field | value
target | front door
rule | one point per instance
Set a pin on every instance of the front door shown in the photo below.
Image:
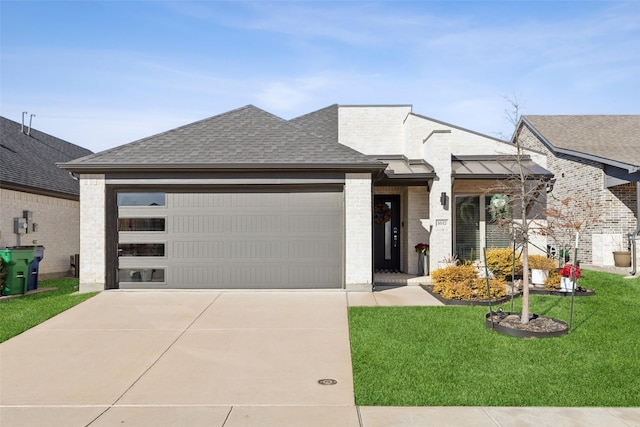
(386, 233)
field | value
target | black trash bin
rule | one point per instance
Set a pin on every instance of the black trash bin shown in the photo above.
(38, 254)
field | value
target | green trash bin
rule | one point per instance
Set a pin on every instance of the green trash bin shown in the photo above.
(16, 263)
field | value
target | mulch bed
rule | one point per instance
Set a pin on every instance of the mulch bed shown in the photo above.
(473, 302)
(538, 327)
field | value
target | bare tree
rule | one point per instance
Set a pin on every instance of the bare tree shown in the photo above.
(572, 216)
(526, 193)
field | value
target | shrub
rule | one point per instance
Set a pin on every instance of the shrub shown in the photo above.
(462, 282)
(500, 262)
(497, 288)
(542, 262)
(455, 273)
(553, 281)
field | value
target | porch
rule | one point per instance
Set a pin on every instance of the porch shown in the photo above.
(400, 279)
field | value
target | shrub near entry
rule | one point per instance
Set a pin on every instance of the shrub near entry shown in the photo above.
(461, 282)
(500, 262)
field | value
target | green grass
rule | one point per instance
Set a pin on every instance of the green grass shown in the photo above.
(433, 356)
(24, 312)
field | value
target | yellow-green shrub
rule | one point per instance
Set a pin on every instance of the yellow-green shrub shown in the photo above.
(553, 281)
(542, 262)
(455, 273)
(497, 287)
(453, 290)
(462, 282)
(500, 262)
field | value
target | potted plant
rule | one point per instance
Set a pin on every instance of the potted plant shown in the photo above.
(540, 266)
(622, 257)
(423, 261)
(568, 274)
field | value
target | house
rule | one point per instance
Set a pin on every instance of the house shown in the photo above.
(30, 182)
(246, 199)
(595, 157)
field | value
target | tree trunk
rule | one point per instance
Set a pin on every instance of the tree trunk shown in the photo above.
(525, 240)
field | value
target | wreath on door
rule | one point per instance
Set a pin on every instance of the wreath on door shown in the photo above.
(381, 213)
(499, 206)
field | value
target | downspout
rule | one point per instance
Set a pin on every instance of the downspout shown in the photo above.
(632, 236)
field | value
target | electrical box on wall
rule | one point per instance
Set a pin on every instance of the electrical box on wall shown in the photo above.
(20, 226)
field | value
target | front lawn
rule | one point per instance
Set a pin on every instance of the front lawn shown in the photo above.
(445, 356)
(24, 312)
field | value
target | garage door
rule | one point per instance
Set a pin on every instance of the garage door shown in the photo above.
(231, 240)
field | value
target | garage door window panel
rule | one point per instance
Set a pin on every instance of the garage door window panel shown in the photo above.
(141, 274)
(142, 224)
(141, 249)
(150, 199)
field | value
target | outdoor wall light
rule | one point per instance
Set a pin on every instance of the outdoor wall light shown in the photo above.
(443, 198)
(550, 185)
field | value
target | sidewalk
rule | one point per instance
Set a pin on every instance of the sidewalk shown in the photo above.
(228, 359)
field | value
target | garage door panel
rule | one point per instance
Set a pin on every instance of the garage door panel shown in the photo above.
(275, 240)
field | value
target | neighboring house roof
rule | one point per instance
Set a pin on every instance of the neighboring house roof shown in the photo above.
(610, 139)
(245, 138)
(28, 162)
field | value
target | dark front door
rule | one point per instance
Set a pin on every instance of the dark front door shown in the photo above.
(386, 233)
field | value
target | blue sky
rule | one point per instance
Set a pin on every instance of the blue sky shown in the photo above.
(104, 73)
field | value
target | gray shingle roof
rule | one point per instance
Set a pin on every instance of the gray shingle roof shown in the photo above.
(29, 161)
(243, 138)
(612, 137)
(323, 123)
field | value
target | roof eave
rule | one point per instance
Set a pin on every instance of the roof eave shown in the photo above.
(200, 167)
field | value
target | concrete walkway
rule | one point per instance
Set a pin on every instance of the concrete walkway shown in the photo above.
(207, 358)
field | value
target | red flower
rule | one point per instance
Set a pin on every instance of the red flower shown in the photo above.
(570, 271)
(422, 248)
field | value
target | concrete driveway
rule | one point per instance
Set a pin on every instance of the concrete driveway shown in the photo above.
(183, 358)
(222, 359)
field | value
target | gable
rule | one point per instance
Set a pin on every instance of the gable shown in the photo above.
(240, 139)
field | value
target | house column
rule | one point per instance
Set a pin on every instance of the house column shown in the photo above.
(358, 221)
(437, 151)
(92, 232)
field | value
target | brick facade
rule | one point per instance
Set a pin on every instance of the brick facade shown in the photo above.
(358, 238)
(92, 230)
(58, 230)
(584, 178)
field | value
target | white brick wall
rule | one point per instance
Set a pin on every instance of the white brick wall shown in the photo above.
(417, 224)
(58, 228)
(358, 237)
(92, 233)
(373, 130)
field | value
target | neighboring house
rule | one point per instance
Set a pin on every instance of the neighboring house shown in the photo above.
(595, 157)
(246, 199)
(30, 181)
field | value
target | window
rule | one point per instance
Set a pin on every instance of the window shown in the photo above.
(140, 249)
(141, 275)
(141, 224)
(141, 199)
